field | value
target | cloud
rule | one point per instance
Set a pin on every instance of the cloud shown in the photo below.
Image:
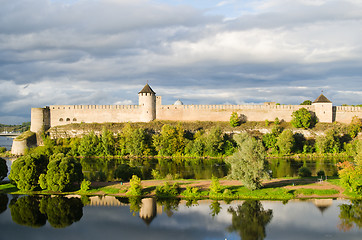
(92, 52)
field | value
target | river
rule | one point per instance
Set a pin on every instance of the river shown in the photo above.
(24, 217)
(6, 142)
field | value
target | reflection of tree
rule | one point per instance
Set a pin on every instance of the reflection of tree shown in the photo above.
(215, 208)
(3, 202)
(169, 205)
(350, 214)
(62, 211)
(249, 220)
(134, 204)
(25, 211)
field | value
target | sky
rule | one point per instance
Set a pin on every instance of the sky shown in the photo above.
(199, 51)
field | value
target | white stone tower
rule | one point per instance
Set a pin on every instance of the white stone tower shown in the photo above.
(323, 109)
(147, 102)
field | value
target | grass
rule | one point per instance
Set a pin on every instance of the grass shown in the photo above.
(24, 135)
(319, 192)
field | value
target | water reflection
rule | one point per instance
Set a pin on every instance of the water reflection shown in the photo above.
(249, 220)
(33, 211)
(151, 218)
(3, 202)
(350, 215)
(121, 169)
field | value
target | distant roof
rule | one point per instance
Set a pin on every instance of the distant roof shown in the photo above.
(147, 89)
(322, 99)
(178, 102)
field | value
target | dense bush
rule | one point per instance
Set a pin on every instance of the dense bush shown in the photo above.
(167, 190)
(3, 169)
(26, 170)
(2, 149)
(135, 187)
(304, 172)
(234, 120)
(302, 118)
(62, 173)
(321, 173)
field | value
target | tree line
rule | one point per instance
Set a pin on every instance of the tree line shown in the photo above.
(176, 141)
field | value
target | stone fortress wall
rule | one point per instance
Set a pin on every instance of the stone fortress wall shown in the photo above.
(150, 108)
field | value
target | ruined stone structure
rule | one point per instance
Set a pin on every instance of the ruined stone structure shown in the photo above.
(150, 108)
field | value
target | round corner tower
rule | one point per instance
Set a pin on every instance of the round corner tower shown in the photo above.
(40, 119)
(147, 102)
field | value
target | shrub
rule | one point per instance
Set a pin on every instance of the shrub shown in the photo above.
(321, 173)
(85, 185)
(135, 187)
(304, 172)
(234, 120)
(3, 169)
(215, 187)
(192, 192)
(26, 170)
(351, 176)
(167, 190)
(2, 149)
(302, 118)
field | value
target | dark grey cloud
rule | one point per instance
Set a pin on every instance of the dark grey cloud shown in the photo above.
(104, 51)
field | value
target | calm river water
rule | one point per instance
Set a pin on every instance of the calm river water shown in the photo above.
(24, 217)
(6, 142)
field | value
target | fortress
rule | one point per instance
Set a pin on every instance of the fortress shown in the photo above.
(150, 108)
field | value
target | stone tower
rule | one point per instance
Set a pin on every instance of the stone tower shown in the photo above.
(40, 119)
(323, 109)
(147, 102)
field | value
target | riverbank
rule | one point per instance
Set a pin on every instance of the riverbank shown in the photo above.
(275, 189)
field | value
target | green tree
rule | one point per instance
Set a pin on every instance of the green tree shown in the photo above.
(170, 141)
(215, 187)
(62, 173)
(306, 102)
(134, 141)
(270, 139)
(196, 147)
(329, 143)
(135, 189)
(285, 142)
(89, 145)
(248, 163)
(234, 120)
(107, 143)
(249, 220)
(302, 118)
(214, 141)
(3, 169)
(354, 127)
(26, 170)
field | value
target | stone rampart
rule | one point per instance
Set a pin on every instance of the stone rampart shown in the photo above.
(344, 114)
(223, 112)
(66, 114)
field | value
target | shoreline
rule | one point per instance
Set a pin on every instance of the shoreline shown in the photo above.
(275, 189)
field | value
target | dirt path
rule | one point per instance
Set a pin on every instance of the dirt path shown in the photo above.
(292, 184)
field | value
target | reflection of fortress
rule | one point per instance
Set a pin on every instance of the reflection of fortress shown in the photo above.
(150, 108)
